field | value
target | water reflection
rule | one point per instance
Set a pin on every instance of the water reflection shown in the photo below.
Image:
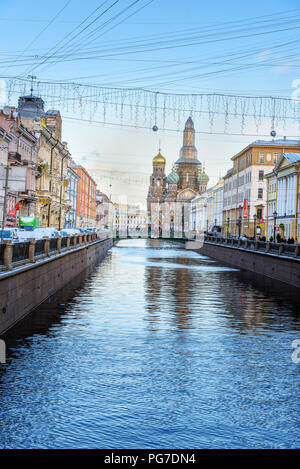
(159, 347)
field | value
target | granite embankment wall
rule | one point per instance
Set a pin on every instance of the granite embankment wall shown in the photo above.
(278, 267)
(25, 287)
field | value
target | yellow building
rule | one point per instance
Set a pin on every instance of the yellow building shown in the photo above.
(52, 161)
(246, 180)
(283, 197)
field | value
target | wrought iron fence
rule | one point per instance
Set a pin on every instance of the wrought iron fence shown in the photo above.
(20, 251)
(292, 250)
(2, 247)
(39, 247)
(53, 244)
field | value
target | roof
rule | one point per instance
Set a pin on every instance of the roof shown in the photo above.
(280, 142)
(73, 172)
(292, 157)
(158, 159)
(228, 173)
(52, 111)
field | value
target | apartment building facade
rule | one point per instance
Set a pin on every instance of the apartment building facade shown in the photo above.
(283, 197)
(86, 198)
(72, 191)
(245, 181)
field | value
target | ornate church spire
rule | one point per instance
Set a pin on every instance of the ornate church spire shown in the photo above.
(188, 152)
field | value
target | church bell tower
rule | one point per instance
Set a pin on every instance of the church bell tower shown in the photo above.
(188, 167)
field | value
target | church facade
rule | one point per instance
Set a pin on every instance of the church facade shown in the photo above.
(169, 197)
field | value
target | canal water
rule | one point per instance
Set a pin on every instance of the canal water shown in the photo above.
(158, 348)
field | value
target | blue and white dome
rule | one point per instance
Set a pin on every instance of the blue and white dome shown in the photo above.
(173, 177)
(203, 178)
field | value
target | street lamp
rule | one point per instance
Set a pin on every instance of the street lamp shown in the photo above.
(240, 220)
(207, 227)
(275, 216)
(228, 220)
(254, 218)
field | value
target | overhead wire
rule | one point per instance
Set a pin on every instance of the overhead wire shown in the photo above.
(75, 29)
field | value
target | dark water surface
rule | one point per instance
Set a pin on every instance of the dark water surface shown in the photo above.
(158, 348)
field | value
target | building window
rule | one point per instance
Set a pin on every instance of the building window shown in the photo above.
(260, 193)
(261, 175)
(261, 156)
(259, 213)
(275, 157)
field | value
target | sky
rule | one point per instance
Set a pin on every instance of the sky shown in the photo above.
(166, 46)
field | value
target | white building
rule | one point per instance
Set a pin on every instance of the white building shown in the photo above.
(104, 212)
(130, 220)
(284, 197)
(207, 210)
(198, 216)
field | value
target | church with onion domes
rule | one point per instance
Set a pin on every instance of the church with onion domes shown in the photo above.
(169, 197)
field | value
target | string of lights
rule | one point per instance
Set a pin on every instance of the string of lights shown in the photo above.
(138, 107)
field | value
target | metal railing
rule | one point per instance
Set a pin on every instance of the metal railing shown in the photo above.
(20, 251)
(53, 244)
(282, 249)
(16, 254)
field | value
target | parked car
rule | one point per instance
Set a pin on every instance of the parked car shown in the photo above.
(233, 236)
(69, 231)
(50, 232)
(37, 233)
(23, 235)
(9, 234)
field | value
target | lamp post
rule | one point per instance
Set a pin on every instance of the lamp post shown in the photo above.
(254, 218)
(207, 227)
(240, 220)
(228, 220)
(275, 216)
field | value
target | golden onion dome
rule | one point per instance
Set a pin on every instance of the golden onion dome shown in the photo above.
(158, 159)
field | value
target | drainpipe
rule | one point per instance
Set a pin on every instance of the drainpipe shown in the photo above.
(7, 168)
(50, 182)
(61, 187)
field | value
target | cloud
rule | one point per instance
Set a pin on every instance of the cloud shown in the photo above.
(263, 54)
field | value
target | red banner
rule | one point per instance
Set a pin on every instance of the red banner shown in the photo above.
(245, 209)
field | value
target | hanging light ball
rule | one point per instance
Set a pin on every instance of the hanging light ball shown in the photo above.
(273, 133)
(155, 128)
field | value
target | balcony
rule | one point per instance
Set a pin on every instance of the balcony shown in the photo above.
(14, 156)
